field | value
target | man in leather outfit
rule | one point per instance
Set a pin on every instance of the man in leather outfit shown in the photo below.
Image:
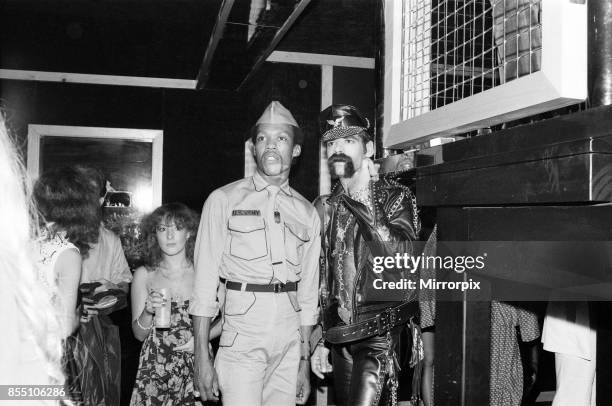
(361, 219)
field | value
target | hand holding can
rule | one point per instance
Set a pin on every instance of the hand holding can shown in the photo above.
(162, 315)
(154, 301)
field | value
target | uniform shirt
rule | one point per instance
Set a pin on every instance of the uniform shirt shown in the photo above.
(106, 260)
(244, 230)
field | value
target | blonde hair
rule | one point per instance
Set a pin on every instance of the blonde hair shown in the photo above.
(29, 317)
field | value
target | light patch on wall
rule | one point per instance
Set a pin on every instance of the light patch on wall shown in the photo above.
(142, 198)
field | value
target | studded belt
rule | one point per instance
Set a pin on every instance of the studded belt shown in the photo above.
(377, 325)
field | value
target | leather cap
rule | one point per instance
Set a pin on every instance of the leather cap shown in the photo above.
(342, 120)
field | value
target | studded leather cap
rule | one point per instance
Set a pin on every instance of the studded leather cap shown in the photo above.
(342, 120)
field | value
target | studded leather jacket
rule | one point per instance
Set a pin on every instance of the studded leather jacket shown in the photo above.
(356, 230)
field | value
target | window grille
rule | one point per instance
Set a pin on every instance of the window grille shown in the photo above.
(452, 50)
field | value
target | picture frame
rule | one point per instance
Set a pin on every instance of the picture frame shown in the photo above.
(132, 159)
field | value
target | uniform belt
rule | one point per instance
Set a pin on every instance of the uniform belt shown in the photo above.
(253, 287)
(377, 325)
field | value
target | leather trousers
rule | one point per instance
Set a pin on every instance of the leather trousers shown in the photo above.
(363, 370)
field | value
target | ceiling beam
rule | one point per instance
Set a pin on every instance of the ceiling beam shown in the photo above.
(261, 58)
(321, 59)
(216, 36)
(114, 80)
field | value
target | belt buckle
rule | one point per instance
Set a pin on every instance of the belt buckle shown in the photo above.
(278, 287)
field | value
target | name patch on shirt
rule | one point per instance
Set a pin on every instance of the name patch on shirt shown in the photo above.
(246, 213)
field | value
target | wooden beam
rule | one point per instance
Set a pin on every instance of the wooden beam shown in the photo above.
(327, 99)
(216, 36)
(277, 38)
(321, 59)
(114, 80)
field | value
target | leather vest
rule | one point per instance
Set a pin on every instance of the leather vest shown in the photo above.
(353, 234)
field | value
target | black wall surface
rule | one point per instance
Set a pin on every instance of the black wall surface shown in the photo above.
(202, 130)
(161, 39)
(355, 86)
(336, 27)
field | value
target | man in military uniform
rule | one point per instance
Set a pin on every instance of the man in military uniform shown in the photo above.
(261, 239)
(362, 218)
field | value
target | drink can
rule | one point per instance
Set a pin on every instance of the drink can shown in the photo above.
(162, 315)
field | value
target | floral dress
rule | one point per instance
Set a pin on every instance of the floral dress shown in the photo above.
(165, 376)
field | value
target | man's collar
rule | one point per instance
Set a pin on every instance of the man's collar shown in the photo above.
(338, 190)
(260, 184)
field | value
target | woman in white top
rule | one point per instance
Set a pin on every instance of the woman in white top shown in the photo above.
(70, 220)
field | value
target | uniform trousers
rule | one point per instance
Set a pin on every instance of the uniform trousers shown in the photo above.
(259, 350)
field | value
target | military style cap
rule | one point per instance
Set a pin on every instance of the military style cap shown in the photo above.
(342, 120)
(276, 113)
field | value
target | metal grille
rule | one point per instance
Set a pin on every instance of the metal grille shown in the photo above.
(452, 49)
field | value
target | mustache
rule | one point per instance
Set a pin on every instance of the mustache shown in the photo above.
(349, 168)
(271, 152)
(267, 154)
(339, 157)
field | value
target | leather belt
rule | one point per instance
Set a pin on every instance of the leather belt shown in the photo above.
(377, 325)
(253, 287)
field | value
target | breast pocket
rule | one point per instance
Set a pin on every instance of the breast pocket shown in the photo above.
(296, 235)
(248, 237)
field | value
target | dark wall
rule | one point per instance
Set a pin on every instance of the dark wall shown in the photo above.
(337, 27)
(205, 148)
(355, 86)
(202, 130)
(161, 39)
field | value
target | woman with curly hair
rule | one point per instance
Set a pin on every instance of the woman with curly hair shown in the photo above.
(165, 371)
(69, 219)
(69, 223)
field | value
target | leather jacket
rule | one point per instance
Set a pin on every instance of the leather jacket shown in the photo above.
(390, 225)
